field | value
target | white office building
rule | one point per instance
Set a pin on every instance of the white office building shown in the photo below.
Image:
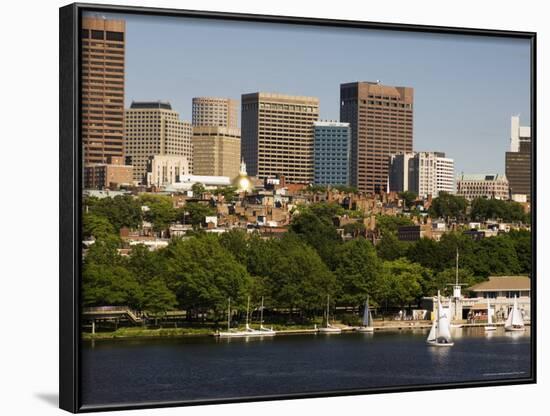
(425, 173)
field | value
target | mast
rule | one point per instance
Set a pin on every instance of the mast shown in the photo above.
(247, 309)
(228, 313)
(262, 313)
(437, 315)
(328, 302)
(456, 281)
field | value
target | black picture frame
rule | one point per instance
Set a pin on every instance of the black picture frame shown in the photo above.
(70, 183)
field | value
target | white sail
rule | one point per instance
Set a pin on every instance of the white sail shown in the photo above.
(508, 322)
(443, 323)
(432, 335)
(517, 319)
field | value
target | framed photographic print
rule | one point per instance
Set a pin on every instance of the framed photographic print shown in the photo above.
(262, 207)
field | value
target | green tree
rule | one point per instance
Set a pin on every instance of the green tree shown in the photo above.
(449, 206)
(145, 264)
(483, 209)
(391, 248)
(297, 277)
(195, 213)
(354, 228)
(524, 247)
(400, 283)
(121, 211)
(318, 233)
(96, 226)
(158, 298)
(204, 275)
(357, 271)
(198, 189)
(112, 285)
(236, 242)
(229, 193)
(425, 252)
(389, 223)
(161, 212)
(409, 198)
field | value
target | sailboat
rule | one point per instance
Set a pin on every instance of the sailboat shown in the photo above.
(515, 320)
(489, 326)
(440, 333)
(248, 332)
(329, 329)
(265, 331)
(367, 319)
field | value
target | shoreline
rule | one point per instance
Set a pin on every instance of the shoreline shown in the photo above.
(136, 334)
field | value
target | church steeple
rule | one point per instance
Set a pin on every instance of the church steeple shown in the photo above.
(242, 170)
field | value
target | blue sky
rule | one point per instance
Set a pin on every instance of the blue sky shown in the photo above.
(466, 87)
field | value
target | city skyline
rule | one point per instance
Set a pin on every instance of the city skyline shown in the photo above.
(494, 75)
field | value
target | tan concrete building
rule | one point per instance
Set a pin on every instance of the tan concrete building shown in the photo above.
(214, 111)
(102, 87)
(107, 175)
(164, 170)
(491, 186)
(216, 151)
(381, 120)
(278, 135)
(153, 128)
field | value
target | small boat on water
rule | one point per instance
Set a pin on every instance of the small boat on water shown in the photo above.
(489, 326)
(440, 333)
(514, 322)
(329, 329)
(248, 332)
(367, 319)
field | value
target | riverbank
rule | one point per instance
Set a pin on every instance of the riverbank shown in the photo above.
(137, 333)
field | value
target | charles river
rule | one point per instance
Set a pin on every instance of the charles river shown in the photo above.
(202, 368)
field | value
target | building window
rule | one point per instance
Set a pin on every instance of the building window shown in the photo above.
(118, 36)
(97, 34)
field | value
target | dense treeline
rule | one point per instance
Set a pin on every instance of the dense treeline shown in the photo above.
(295, 272)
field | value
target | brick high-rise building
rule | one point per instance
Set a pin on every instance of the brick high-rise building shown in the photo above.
(277, 135)
(214, 111)
(518, 160)
(102, 87)
(381, 120)
(153, 128)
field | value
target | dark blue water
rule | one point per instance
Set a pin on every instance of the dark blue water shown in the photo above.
(118, 372)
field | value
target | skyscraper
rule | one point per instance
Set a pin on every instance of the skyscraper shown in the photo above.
(331, 153)
(102, 89)
(216, 151)
(518, 160)
(214, 111)
(153, 128)
(277, 135)
(424, 173)
(381, 120)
